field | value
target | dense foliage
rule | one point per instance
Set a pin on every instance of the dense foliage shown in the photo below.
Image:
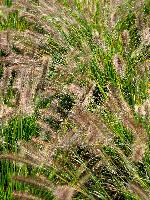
(75, 99)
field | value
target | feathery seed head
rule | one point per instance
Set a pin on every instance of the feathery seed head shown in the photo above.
(146, 36)
(125, 37)
(64, 192)
(119, 65)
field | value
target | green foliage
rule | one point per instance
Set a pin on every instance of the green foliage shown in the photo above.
(18, 128)
(134, 37)
(11, 92)
(8, 3)
(128, 22)
(108, 173)
(146, 8)
(55, 46)
(66, 102)
(3, 53)
(52, 72)
(16, 50)
(98, 95)
(44, 102)
(53, 123)
(37, 27)
(13, 21)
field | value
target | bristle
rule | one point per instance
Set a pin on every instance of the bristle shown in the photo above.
(24, 196)
(125, 37)
(64, 192)
(146, 36)
(74, 99)
(119, 65)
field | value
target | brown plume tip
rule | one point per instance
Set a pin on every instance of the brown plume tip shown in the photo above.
(125, 37)
(119, 65)
(138, 152)
(113, 19)
(144, 109)
(64, 192)
(146, 36)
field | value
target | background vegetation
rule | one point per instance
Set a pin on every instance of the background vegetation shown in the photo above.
(74, 99)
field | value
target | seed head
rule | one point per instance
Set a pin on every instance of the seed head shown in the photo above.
(119, 66)
(64, 192)
(125, 37)
(146, 36)
(113, 19)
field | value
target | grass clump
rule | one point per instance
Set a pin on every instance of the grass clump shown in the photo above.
(74, 100)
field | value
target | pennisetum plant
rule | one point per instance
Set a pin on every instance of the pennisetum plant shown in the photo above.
(74, 100)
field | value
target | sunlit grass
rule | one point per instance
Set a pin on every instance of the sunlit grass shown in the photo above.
(89, 44)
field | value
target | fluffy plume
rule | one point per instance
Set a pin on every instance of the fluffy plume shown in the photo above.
(64, 192)
(125, 37)
(146, 36)
(119, 65)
